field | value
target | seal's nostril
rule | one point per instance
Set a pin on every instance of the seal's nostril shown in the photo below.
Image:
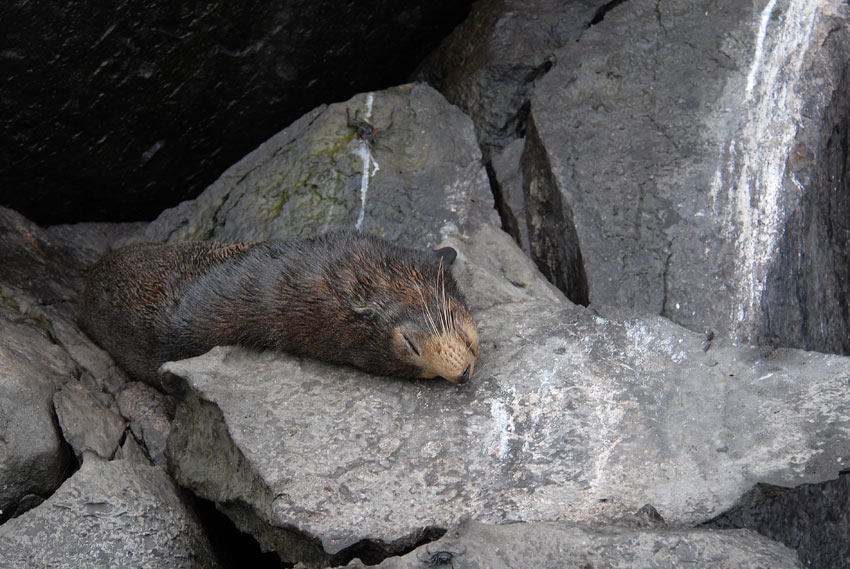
(464, 376)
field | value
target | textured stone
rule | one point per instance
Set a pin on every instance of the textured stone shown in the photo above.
(42, 349)
(489, 64)
(113, 112)
(108, 514)
(570, 416)
(506, 181)
(33, 456)
(150, 413)
(571, 546)
(86, 421)
(424, 177)
(689, 160)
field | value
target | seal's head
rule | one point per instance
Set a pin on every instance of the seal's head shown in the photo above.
(431, 332)
(441, 341)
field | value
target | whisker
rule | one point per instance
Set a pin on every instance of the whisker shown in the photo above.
(427, 308)
(439, 297)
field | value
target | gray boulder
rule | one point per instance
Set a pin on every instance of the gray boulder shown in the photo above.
(684, 159)
(488, 67)
(33, 457)
(109, 514)
(570, 416)
(573, 546)
(415, 179)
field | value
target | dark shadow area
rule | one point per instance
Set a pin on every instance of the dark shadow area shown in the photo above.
(555, 246)
(813, 519)
(114, 112)
(372, 553)
(599, 15)
(232, 548)
(806, 302)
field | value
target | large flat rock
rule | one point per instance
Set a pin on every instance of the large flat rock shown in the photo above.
(570, 416)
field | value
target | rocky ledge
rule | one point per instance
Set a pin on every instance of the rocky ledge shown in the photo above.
(572, 417)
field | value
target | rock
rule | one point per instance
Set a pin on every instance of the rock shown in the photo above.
(419, 177)
(115, 114)
(109, 514)
(569, 417)
(681, 159)
(36, 264)
(101, 373)
(86, 421)
(503, 276)
(572, 546)
(48, 269)
(42, 349)
(814, 519)
(133, 451)
(33, 456)
(489, 63)
(506, 182)
(150, 414)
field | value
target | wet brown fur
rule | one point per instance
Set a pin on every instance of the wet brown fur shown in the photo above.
(346, 298)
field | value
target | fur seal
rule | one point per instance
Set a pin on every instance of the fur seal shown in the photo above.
(346, 298)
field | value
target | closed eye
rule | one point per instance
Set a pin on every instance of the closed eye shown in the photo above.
(412, 346)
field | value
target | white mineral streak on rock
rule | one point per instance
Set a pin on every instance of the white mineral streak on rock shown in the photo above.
(757, 161)
(369, 165)
(503, 418)
(759, 53)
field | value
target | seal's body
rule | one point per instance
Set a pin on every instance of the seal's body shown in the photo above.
(345, 298)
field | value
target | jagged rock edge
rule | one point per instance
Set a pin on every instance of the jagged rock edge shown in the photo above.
(374, 552)
(270, 535)
(244, 515)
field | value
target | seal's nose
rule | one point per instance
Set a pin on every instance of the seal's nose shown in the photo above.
(464, 377)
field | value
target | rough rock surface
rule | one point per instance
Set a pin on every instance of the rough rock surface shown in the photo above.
(572, 546)
(113, 112)
(33, 457)
(108, 514)
(150, 413)
(489, 63)
(814, 519)
(570, 416)
(86, 421)
(50, 270)
(42, 349)
(506, 182)
(417, 178)
(693, 156)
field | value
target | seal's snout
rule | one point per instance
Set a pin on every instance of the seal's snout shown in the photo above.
(464, 377)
